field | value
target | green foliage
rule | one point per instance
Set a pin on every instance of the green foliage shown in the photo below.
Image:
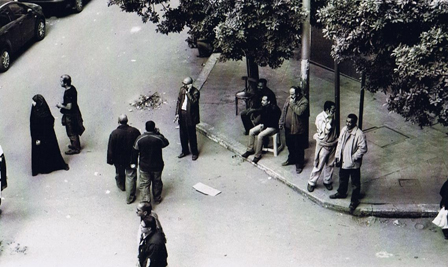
(401, 46)
(266, 30)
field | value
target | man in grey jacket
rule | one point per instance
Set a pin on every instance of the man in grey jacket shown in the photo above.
(352, 146)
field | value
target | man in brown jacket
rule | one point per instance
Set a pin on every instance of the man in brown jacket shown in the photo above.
(293, 120)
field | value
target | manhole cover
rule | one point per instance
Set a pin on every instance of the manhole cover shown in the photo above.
(384, 136)
(408, 182)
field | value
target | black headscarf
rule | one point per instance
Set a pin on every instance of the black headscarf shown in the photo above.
(41, 109)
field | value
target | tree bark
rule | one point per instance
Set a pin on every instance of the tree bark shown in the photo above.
(252, 73)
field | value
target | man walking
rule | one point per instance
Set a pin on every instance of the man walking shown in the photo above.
(326, 141)
(71, 118)
(119, 154)
(149, 146)
(269, 117)
(293, 120)
(352, 146)
(151, 249)
(144, 209)
(187, 114)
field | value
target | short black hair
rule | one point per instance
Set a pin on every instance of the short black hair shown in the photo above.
(66, 79)
(150, 126)
(146, 206)
(150, 222)
(353, 117)
(328, 105)
(263, 81)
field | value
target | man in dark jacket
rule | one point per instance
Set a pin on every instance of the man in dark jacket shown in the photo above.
(152, 249)
(187, 113)
(119, 154)
(71, 118)
(269, 117)
(149, 146)
(294, 114)
(251, 116)
(3, 181)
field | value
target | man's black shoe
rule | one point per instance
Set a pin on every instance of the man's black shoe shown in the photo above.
(256, 159)
(329, 186)
(247, 154)
(182, 155)
(310, 188)
(337, 195)
(72, 152)
(353, 206)
(299, 170)
(131, 200)
(194, 157)
(286, 163)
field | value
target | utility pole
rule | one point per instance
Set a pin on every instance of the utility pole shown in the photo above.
(337, 96)
(361, 100)
(305, 63)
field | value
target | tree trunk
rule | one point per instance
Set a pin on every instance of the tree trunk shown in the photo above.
(252, 73)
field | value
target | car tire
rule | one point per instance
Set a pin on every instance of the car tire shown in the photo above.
(78, 5)
(40, 29)
(5, 59)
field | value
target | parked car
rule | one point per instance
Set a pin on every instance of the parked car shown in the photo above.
(19, 23)
(76, 5)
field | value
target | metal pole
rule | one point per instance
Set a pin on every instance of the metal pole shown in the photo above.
(305, 63)
(337, 96)
(361, 100)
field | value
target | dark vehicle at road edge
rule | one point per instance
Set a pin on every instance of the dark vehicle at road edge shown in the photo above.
(19, 23)
(76, 5)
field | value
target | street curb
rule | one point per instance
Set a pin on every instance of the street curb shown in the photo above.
(208, 67)
(382, 210)
(385, 210)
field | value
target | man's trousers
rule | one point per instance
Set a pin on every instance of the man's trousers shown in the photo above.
(145, 184)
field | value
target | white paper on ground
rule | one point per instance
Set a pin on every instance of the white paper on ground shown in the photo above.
(205, 189)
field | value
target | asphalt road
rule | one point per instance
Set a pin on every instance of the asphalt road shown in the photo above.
(80, 218)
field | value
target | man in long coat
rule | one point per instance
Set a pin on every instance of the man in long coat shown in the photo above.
(187, 113)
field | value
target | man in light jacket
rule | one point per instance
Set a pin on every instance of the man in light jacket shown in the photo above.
(326, 141)
(352, 146)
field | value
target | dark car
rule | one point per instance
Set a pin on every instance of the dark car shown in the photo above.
(76, 5)
(19, 23)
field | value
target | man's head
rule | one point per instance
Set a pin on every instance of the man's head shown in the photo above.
(265, 101)
(295, 92)
(66, 80)
(351, 121)
(150, 126)
(261, 84)
(187, 82)
(329, 107)
(144, 209)
(123, 119)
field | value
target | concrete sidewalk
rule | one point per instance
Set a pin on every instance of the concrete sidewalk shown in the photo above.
(401, 173)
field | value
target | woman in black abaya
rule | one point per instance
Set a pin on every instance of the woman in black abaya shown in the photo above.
(45, 154)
